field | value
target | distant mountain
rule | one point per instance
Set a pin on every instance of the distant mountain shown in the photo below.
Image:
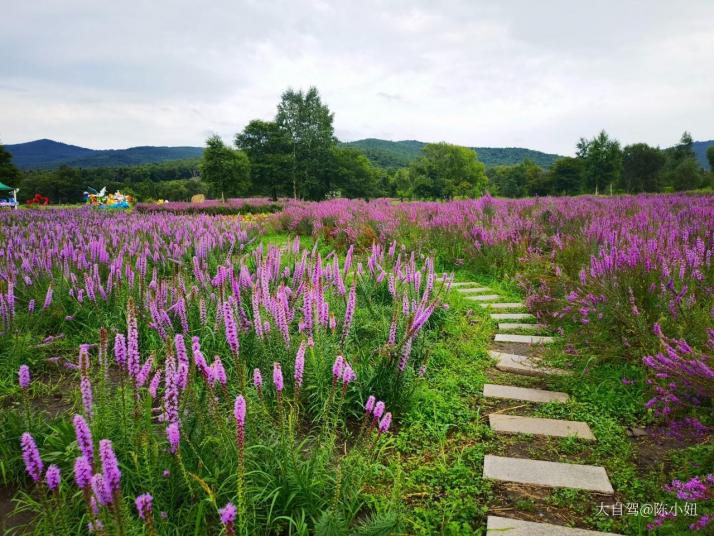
(400, 153)
(43, 154)
(700, 149)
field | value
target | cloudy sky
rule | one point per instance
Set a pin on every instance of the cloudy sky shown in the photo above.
(110, 74)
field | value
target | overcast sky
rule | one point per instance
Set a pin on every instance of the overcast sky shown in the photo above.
(504, 73)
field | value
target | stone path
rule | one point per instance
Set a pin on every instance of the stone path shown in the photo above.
(521, 470)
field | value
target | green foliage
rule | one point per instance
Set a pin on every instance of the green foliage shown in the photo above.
(566, 176)
(352, 174)
(710, 157)
(8, 172)
(307, 123)
(225, 169)
(446, 171)
(641, 167)
(519, 180)
(602, 162)
(269, 151)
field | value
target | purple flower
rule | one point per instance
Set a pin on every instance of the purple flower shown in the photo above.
(230, 328)
(154, 384)
(218, 372)
(337, 367)
(144, 372)
(239, 409)
(144, 504)
(299, 364)
(348, 375)
(385, 422)
(228, 515)
(23, 375)
(84, 438)
(52, 477)
(369, 405)
(101, 490)
(85, 387)
(173, 435)
(31, 457)
(110, 467)
(257, 379)
(378, 410)
(82, 472)
(120, 350)
(278, 378)
(349, 311)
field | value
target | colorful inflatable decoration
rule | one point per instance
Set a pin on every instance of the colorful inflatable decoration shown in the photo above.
(39, 200)
(103, 200)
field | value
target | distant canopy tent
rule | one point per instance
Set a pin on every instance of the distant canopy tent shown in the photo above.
(8, 196)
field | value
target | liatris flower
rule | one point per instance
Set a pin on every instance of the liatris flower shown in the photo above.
(144, 372)
(228, 518)
(85, 387)
(258, 381)
(385, 422)
(84, 438)
(82, 472)
(31, 306)
(337, 367)
(120, 350)
(230, 328)
(278, 379)
(378, 410)
(154, 384)
(53, 477)
(348, 376)
(102, 493)
(31, 457)
(392, 333)
(83, 360)
(218, 372)
(110, 467)
(144, 505)
(23, 375)
(48, 298)
(182, 356)
(299, 365)
(173, 435)
(349, 312)
(369, 405)
(239, 410)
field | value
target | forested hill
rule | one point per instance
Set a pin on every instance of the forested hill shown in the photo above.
(393, 154)
(700, 151)
(45, 154)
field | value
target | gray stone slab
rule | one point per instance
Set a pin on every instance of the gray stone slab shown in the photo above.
(509, 392)
(548, 474)
(526, 339)
(514, 424)
(505, 326)
(482, 297)
(520, 364)
(465, 284)
(502, 526)
(503, 305)
(472, 290)
(512, 316)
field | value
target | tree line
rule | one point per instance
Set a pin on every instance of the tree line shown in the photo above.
(298, 155)
(601, 165)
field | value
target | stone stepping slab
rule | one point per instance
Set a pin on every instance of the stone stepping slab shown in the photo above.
(526, 339)
(524, 394)
(513, 424)
(472, 290)
(512, 316)
(520, 364)
(505, 326)
(465, 284)
(548, 474)
(506, 305)
(503, 526)
(482, 297)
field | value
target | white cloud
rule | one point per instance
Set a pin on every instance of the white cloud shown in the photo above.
(117, 74)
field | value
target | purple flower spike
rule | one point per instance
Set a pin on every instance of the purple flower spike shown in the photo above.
(385, 422)
(228, 515)
(82, 473)
(173, 435)
(144, 505)
(278, 378)
(31, 457)
(369, 405)
(378, 410)
(239, 410)
(84, 438)
(337, 367)
(53, 477)
(257, 379)
(110, 467)
(23, 375)
(300, 364)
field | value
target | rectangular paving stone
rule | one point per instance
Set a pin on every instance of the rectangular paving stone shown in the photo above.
(514, 424)
(472, 290)
(526, 339)
(520, 364)
(509, 392)
(548, 474)
(505, 326)
(465, 284)
(482, 297)
(512, 316)
(503, 526)
(503, 305)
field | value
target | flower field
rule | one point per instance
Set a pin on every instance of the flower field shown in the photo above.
(176, 371)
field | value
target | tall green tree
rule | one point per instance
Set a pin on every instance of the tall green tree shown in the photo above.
(602, 161)
(682, 170)
(710, 157)
(307, 123)
(446, 171)
(269, 150)
(9, 174)
(641, 168)
(566, 176)
(352, 174)
(225, 169)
